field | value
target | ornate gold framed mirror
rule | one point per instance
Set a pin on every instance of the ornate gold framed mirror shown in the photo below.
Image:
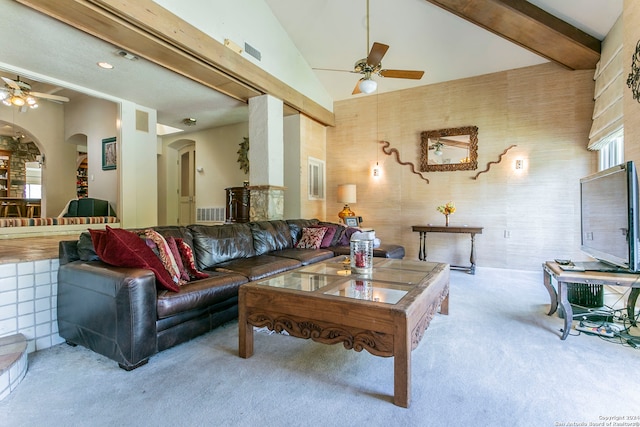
(454, 149)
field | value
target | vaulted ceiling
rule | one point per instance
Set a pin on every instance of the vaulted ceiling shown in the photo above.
(449, 39)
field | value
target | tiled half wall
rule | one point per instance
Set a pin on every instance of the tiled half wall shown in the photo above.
(28, 302)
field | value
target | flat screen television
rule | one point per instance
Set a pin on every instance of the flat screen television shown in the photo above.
(609, 219)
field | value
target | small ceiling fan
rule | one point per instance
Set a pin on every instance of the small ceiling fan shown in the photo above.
(18, 92)
(372, 65)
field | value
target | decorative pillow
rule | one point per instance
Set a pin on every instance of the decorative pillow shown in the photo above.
(165, 255)
(346, 236)
(184, 275)
(311, 237)
(340, 229)
(188, 260)
(123, 248)
(328, 235)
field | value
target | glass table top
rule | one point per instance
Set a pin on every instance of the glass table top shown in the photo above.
(389, 281)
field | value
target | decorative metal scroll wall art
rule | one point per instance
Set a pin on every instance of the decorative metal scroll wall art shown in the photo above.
(389, 151)
(494, 163)
(633, 81)
(454, 149)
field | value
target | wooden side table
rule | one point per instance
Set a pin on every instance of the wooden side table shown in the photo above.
(472, 231)
(565, 278)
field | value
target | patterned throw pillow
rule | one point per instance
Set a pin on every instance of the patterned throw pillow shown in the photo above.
(184, 274)
(165, 255)
(188, 260)
(311, 237)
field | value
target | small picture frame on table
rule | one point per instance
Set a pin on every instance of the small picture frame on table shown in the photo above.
(351, 221)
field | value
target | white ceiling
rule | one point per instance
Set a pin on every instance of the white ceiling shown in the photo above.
(328, 34)
(332, 34)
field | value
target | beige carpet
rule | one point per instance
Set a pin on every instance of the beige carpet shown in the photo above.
(496, 360)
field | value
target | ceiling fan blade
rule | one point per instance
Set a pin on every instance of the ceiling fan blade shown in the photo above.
(51, 97)
(333, 69)
(11, 83)
(402, 74)
(377, 52)
(356, 90)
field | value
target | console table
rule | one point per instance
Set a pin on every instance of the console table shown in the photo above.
(565, 278)
(472, 231)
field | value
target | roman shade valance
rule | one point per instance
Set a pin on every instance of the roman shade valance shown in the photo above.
(608, 112)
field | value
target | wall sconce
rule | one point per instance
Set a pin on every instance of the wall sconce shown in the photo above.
(346, 195)
(376, 170)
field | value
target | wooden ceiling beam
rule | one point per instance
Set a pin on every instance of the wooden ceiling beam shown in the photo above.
(530, 27)
(148, 30)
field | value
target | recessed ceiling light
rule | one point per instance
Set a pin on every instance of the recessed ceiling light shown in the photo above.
(105, 65)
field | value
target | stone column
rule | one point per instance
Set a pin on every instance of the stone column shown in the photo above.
(266, 158)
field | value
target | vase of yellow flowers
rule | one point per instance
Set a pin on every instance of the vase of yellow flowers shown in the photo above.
(447, 209)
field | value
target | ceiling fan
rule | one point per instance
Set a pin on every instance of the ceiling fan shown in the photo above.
(18, 92)
(372, 65)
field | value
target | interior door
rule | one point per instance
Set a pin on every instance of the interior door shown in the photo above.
(187, 190)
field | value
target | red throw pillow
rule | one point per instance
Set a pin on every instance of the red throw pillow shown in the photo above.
(188, 260)
(123, 248)
(311, 237)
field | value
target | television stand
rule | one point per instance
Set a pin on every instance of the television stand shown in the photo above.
(565, 278)
(600, 266)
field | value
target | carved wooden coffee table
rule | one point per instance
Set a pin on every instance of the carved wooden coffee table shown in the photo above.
(385, 313)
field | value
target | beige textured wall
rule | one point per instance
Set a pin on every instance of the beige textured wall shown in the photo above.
(631, 106)
(545, 110)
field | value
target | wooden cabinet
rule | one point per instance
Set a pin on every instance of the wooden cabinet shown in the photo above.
(5, 173)
(82, 183)
(237, 209)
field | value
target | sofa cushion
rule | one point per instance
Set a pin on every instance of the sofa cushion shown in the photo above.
(123, 248)
(86, 251)
(199, 294)
(311, 238)
(270, 236)
(305, 256)
(214, 244)
(258, 267)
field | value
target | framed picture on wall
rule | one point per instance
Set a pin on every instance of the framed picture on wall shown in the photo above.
(109, 153)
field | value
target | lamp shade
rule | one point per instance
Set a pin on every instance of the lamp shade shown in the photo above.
(367, 86)
(347, 193)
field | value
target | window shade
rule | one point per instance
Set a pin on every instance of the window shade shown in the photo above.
(33, 173)
(607, 112)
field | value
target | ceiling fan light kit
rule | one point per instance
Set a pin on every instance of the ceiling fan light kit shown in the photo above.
(372, 65)
(367, 85)
(18, 93)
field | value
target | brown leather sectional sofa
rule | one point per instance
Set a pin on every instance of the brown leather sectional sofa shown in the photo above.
(121, 313)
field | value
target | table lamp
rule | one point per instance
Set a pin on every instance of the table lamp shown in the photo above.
(346, 195)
